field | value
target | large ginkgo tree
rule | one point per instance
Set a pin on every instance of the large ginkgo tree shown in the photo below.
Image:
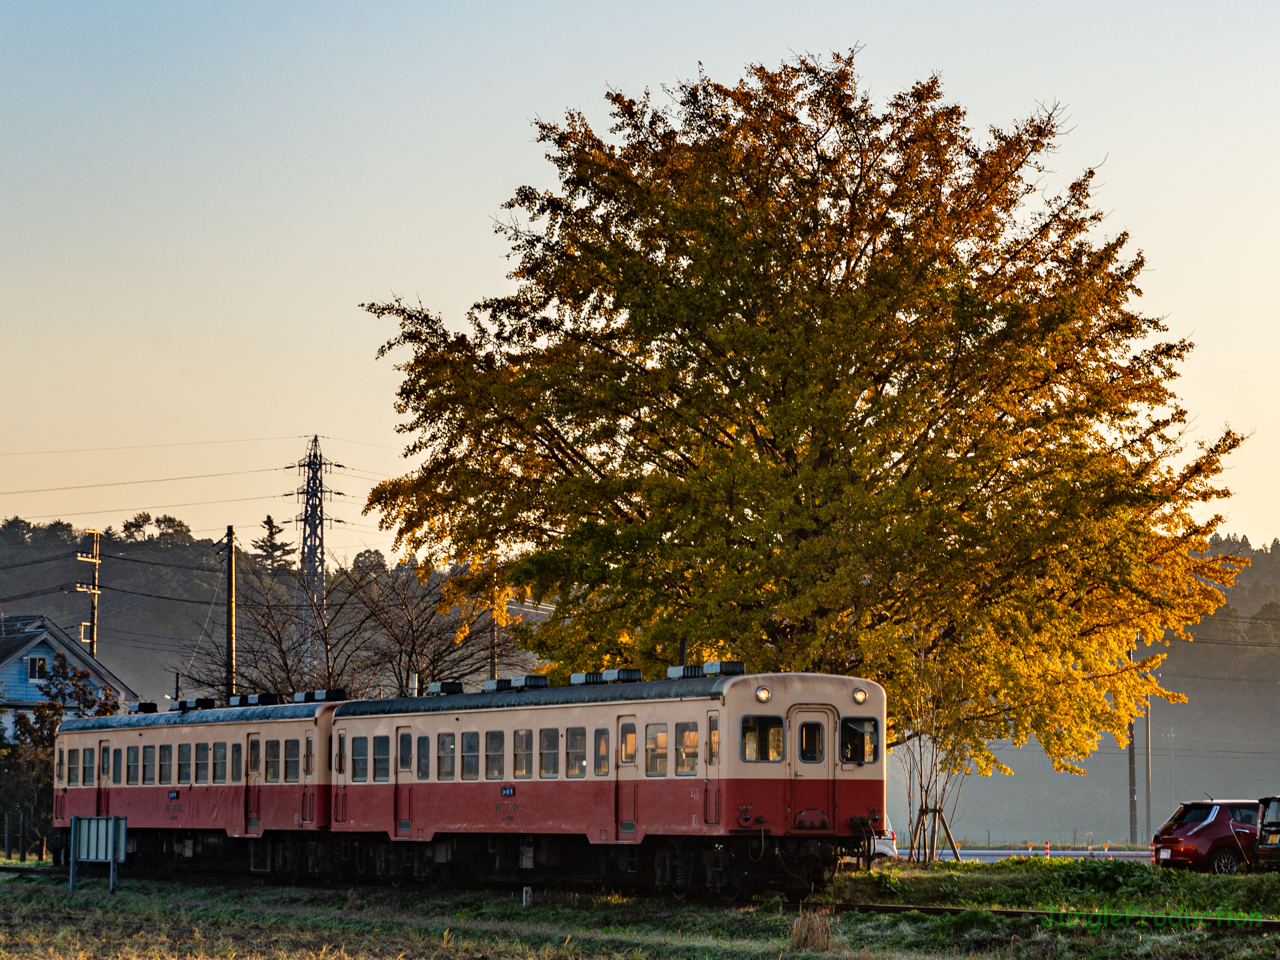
(823, 384)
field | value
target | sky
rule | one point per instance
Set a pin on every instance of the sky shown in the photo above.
(196, 198)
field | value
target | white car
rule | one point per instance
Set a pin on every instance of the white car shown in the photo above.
(886, 846)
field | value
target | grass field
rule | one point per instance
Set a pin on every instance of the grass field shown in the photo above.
(197, 917)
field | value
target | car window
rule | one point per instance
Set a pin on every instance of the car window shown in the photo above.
(1245, 814)
(1192, 813)
(1273, 812)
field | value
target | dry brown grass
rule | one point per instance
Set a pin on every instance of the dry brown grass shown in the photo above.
(813, 931)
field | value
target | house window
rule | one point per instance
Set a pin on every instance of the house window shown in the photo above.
(37, 669)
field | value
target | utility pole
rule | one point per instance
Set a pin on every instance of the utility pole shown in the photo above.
(231, 612)
(1148, 726)
(92, 589)
(493, 648)
(1133, 789)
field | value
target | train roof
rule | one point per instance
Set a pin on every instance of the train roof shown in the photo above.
(694, 688)
(177, 718)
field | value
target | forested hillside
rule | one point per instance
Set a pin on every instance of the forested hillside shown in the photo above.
(160, 589)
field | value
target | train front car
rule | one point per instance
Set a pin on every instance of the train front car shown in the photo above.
(236, 789)
(721, 784)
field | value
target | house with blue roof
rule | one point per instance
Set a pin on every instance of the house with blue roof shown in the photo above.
(27, 648)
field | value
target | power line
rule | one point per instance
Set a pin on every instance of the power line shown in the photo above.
(61, 588)
(129, 483)
(148, 446)
(156, 506)
(31, 563)
(152, 596)
(157, 563)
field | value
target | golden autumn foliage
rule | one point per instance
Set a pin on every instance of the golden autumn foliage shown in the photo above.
(820, 385)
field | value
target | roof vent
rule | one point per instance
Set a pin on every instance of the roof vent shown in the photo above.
(579, 679)
(530, 681)
(683, 673)
(238, 700)
(494, 686)
(328, 696)
(263, 700)
(724, 668)
(304, 696)
(445, 686)
(625, 675)
(196, 703)
(142, 708)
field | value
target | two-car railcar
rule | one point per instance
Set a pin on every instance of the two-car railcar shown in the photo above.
(712, 783)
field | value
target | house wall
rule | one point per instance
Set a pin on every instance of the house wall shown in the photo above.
(16, 688)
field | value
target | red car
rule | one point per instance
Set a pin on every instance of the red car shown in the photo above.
(1212, 835)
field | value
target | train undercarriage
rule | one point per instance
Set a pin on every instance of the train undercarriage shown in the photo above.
(731, 868)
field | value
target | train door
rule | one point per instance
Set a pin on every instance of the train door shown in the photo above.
(711, 786)
(308, 778)
(404, 773)
(104, 777)
(339, 806)
(810, 762)
(253, 784)
(627, 779)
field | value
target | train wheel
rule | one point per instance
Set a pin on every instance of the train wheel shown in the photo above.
(736, 888)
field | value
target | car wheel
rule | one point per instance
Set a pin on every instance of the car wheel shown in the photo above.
(1225, 861)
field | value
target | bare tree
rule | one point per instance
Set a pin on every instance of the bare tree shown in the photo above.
(417, 643)
(375, 631)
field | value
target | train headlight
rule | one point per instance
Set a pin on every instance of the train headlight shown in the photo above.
(763, 694)
(859, 695)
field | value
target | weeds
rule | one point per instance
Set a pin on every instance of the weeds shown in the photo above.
(813, 931)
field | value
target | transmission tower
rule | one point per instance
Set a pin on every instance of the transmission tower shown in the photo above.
(311, 600)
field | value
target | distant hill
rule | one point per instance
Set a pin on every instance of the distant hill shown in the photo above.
(160, 595)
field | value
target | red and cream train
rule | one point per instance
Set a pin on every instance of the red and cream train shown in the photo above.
(718, 781)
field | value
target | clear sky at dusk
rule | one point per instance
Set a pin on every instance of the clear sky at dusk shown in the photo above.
(194, 199)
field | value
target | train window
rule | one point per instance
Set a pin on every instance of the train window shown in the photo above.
(117, 763)
(382, 759)
(444, 756)
(308, 758)
(762, 739)
(106, 763)
(329, 753)
(61, 758)
(602, 752)
(359, 759)
(255, 755)
(575, 752)
(166, 763)
(73, 768)
(523, 745)
(184, 763)
(424, 758)
(271, 761)
(148, 765)
(342, 753)
(202, 763)
(88, 767)
(627, 744)
(219, 763)
(131, 766)
(406, 751)
(471, 756)
(655, 750)
(495, 749)
(686, 749)
(237, 761)
(812, 748)
(292, 757)
(859, 740)
(713, 739)
(548, 754)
